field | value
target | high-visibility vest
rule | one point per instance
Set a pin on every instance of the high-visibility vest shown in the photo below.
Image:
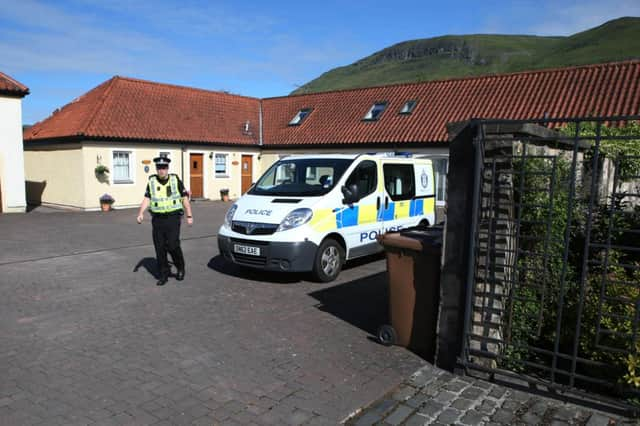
(165, 198)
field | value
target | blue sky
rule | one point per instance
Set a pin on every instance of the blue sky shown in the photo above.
(62, 49)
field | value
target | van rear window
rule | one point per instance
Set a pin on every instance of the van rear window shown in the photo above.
(399, 181)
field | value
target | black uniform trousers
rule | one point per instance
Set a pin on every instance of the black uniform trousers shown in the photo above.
(166, 238)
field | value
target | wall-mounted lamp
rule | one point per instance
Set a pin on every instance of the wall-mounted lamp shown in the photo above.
(210, 155)
(98, 158)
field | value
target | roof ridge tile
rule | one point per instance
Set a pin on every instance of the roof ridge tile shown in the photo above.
(477, 77)
(178, 86)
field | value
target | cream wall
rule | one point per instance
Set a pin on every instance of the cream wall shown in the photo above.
(65, 174)
(54, 176)
(212, 184)
(126, 195)
(130, 194)
(267, 159)
(12, 156)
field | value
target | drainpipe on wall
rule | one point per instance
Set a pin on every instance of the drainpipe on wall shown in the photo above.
(183, 149)
(260, 125)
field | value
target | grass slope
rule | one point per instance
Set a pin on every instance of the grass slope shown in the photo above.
(472, 55)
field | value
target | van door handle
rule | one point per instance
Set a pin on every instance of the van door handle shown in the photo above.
(386, 202)
(378, 203)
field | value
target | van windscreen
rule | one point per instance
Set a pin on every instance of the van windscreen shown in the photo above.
(301, 177)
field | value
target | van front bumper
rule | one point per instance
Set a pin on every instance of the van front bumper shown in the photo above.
(274, 256)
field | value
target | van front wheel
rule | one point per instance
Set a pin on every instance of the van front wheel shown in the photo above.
(328, 261)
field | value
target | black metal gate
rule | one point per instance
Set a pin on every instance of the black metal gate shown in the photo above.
(553, 278)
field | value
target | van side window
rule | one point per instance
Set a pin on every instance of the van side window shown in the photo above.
(399, 181)
(365, 176)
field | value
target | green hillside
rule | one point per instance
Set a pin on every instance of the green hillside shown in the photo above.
(472, 55)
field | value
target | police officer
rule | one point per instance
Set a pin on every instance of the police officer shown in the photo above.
(167, 200)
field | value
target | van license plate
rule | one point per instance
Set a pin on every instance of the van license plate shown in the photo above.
(253, 251)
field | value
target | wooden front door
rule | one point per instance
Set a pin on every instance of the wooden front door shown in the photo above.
(247, 173)
(195, 161)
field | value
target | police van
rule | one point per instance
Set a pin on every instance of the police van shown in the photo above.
(314, 212)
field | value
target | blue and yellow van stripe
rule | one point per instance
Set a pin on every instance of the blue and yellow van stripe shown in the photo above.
(328, 219)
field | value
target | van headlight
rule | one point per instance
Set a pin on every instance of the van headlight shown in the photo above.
(296, 218)
(229, 216)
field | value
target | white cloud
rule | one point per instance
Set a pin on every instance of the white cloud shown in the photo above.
(557, 18)
(580, 16)
(179, 39)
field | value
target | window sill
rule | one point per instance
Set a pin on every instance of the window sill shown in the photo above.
(118, 182)
(222, 176)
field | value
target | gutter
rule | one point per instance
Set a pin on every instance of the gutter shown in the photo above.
(182, 151)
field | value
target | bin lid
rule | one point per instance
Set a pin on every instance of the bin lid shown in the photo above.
(416, 238)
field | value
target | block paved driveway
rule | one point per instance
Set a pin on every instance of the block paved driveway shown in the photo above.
(86, 337)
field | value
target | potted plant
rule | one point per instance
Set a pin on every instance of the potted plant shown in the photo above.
(106, 201)
(224, 194)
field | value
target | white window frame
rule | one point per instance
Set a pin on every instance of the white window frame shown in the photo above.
(226, 174)
(132, 169)
(297, 119)
(369, 115)
(435, 175)
(408, 111)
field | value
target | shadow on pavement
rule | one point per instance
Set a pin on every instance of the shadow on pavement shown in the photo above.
(219, 264)
(150, 264)
(362, 302)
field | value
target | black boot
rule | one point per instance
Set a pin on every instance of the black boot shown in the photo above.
(178, 260)
(163, 280)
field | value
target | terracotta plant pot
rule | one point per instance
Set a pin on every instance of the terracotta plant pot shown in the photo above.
(105, 207)
(225, 198)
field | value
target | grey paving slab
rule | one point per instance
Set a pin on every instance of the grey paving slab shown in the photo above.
(443, 398)
(87, 336)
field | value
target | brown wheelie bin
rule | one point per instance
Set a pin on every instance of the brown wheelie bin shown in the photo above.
(413, 265)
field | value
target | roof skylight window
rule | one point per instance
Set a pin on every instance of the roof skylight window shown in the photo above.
(300, 116)
(376, 111)
(408, 107)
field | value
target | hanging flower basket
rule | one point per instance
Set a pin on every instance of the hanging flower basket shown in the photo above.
(101, 169)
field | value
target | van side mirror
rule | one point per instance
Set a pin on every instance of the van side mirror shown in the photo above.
(350, 194)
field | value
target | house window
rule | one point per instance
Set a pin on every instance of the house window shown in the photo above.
(221, 169)
(408, 107)
(376, 111)
(300, 116)
(122, 167)
(164, 154)
(440, 166)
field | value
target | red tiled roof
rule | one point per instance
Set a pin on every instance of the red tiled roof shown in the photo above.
(604, 89)
(131, 109)
(12, 87)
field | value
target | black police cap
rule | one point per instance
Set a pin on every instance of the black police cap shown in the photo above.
(162, 161)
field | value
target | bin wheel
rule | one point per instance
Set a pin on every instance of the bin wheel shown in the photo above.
(387, 335)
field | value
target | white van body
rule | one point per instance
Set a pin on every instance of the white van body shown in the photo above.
(314, 212)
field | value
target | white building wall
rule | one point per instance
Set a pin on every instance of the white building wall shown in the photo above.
(12, 161)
